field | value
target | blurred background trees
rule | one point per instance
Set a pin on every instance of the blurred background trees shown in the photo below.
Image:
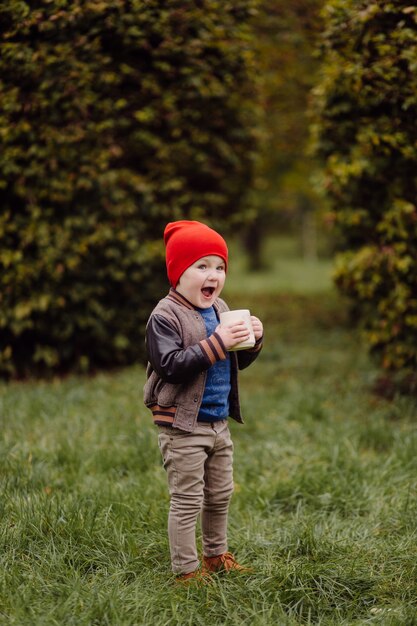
(366, 134)
(118, 117)
(282, 197)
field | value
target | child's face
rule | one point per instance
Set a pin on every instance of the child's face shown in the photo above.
(203, 281)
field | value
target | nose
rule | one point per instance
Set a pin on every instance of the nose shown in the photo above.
(212, 275)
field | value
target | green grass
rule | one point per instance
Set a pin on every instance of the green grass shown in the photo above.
(325, 505)
(287, 272)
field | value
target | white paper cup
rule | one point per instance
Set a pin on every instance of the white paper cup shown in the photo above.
(239, 315)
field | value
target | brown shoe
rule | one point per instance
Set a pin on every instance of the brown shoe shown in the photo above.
(199, 577)
(225, 562)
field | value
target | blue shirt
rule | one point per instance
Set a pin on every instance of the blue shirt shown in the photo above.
(215, 404)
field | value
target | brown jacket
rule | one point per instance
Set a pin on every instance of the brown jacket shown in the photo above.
(180, 353)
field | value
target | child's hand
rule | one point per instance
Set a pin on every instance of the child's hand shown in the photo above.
(232, 334)
(258, 329)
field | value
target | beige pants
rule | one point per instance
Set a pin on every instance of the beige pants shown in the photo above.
(199, 466)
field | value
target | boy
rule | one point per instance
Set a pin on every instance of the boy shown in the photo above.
(191, 390)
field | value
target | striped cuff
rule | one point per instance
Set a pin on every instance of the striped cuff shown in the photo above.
(213, 348)
(163, 414)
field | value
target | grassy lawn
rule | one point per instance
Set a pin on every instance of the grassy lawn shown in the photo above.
(325, 503)
(286, 272)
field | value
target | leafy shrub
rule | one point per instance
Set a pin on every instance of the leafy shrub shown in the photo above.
(116, 118)
(366, 108)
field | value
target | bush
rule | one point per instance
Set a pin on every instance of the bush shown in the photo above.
(366, 107)
(116, 118)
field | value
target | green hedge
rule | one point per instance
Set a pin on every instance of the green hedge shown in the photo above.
(366, 132)
(116, 117)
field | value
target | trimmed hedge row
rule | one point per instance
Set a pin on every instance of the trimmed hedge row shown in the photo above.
(366, 133)
(117, 116)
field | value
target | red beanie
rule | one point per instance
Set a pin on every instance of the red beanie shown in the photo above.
(186, 242)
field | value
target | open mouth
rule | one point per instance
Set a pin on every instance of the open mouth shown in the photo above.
(207, 291)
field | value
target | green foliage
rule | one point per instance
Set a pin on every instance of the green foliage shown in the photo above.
(286, 36)
(285, 271)
(366, 107)
(288, 33)
(116, 118)
(281, 197)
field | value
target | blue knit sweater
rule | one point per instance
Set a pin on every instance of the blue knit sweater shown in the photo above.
(215, 404)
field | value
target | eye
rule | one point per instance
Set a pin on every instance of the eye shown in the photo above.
(220, 268)
(202, 266)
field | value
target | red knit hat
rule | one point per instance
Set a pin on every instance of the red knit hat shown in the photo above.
(186, 242)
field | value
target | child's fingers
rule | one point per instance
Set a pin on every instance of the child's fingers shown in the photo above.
(236, 327)
(257, 326)
(239, 334)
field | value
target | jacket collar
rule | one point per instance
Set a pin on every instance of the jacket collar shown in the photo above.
(179, 299)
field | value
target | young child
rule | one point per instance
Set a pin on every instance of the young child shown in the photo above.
(191, 390)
